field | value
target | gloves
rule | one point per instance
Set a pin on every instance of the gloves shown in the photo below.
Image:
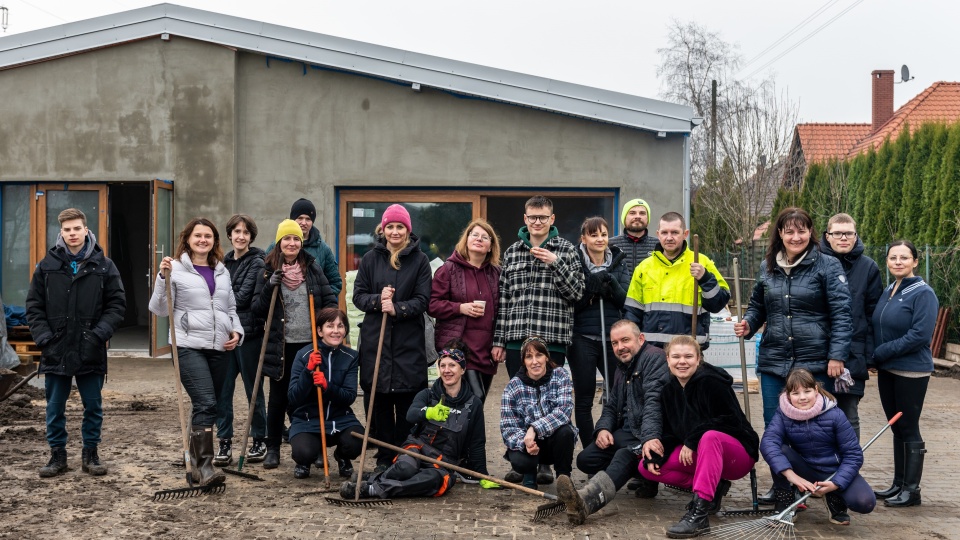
(842, 384)
(595, 282)
(319, 379)
(488, 484)
(315, 361)
(438, 413)
(275, 278)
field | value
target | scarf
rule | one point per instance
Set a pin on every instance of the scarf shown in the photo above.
(801, 415)
(292, 276)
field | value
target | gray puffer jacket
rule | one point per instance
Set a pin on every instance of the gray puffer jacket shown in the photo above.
(201, 320)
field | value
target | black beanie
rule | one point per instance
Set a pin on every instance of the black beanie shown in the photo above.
(301, 207)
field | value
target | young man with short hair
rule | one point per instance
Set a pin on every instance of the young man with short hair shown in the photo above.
(75, 303)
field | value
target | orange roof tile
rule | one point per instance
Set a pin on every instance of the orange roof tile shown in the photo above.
(821, 142)
(938, 103)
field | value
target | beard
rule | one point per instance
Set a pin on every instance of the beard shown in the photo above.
(635, 230)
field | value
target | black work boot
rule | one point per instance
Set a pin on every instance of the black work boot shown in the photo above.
(646, 489)
(272, 461)
(224, 455)
(837, 508)
(91, 462)
(344, 465)
(348, 490)
(544, 475)
(599, 491)
(513, 476)
(301, 471)
(912, 471)
(694, 523)
(57, 463)
(894, 489)
(714, 506)
(201, 454)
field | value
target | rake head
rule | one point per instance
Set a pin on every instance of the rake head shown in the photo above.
(548, 509)
(238, 472)
(779, 527)
(748, 512)
(183, 493)
(365, 503)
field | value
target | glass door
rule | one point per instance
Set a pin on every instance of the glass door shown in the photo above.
(51, 199)
(162, 246)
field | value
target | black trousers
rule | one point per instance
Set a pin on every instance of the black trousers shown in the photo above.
(586, 358)
(410, 477)
(619, 462)
(389, 420)
(903, 394)
(479, 383)
(513, 360)
(277, 401)
(306, 447)
(556, 450)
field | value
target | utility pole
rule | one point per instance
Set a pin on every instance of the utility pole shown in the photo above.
(713, 124)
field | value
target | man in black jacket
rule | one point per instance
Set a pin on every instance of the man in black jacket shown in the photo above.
(629, 425)
(75, 303)
(863, 279)
(635, 241)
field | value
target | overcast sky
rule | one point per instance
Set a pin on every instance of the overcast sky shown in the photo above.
(612, 44)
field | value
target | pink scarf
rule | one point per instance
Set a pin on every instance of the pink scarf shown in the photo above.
(292, 276)
(800, 415)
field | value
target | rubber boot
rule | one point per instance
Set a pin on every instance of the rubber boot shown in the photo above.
(201, 454)
(272, 460)
(782, 499)
(912, 471)
(694, 523)
(91, 462)
(894, 489)
(599, 491)
(767, 498)
(544, 475)
(529, 480)
(57, 463)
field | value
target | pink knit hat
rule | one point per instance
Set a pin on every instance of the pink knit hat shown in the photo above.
(396, 214)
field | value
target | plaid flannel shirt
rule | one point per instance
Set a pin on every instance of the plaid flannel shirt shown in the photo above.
(537, 299)
(546, 407)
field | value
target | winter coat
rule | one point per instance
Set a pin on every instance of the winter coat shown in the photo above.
(340, 367)
(807, 314)
(537, 299)
(459, 282)
(607, 284)
(201, 320)
(545, 404)
(827, 442)
(660, 297)
(323, 297)
(903, 326)
(636, 249)
(863, 280)
(403, 363)
(634, 402)
(706, 403)
(314, 245)
(71, 316)
(243, 278)
(460, 438)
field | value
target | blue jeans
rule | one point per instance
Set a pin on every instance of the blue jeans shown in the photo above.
(772, 385)
(202, 372)
(858, 496)
(243, 361)
(58, 390)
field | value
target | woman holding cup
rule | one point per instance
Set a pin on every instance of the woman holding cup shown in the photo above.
(464, 301)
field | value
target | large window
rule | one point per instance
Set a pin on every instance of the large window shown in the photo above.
(505, 213)
(15, 247)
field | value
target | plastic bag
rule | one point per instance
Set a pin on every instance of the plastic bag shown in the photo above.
(8, 356)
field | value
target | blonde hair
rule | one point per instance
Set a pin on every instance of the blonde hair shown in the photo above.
(679, 341)
(394, 255)
(494, 256)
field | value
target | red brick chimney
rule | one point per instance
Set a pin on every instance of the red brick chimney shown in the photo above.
(882, 97)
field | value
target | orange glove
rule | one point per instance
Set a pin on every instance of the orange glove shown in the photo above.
(319, 379)
(315, 361)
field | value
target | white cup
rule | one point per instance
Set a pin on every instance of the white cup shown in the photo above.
(482, 304)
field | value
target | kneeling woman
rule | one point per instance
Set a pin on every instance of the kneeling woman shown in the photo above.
(706, 437)
(535, 413)
(809, 439)
(447, 423)
(334, 368)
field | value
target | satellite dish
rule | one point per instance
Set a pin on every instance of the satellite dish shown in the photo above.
(905, 74)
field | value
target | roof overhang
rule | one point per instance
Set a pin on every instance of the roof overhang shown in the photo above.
(351, 56)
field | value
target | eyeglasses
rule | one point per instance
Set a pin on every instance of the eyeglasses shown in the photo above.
(900, 258)
(537, 219)
(842, 234)
(474, 236)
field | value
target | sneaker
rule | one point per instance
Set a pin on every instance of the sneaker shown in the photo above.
(837, 508)
(301, 471)
(257, 452)
(225, 454)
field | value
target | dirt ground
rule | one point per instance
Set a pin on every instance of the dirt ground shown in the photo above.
(141, 442)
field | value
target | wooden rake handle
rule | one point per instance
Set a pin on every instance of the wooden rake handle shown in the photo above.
(176, 371)
(323, 424)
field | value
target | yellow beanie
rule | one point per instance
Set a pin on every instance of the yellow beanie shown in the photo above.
(288, 226)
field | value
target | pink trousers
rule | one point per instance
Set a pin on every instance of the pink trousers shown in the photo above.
(718, 456)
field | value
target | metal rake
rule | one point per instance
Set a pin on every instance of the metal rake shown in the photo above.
(183, 493)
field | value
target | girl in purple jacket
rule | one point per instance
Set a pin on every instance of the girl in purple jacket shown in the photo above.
(809, 439)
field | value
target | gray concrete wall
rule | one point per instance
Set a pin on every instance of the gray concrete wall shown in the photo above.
(302, 135)
(143, 110)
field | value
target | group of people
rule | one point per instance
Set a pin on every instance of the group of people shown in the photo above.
(621, 306)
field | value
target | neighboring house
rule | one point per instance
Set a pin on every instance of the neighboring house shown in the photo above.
(149, 117)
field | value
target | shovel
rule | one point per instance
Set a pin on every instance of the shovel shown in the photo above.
(20, 384)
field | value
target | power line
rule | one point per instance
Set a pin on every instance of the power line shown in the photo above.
(804, 40)
(43, 10)
(793, 31)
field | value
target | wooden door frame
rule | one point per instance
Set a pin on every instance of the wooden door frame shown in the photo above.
(154, 267)
(38, 249)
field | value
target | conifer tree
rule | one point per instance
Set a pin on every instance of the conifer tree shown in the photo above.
(931, 186)
(911, 206)
(949, 188)
(885, 228)
(872, 190)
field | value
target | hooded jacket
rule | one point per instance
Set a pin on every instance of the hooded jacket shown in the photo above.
(340, 367)
(827, 442)
(903, 326)
(403, 363)
(243, 278)
(314, 245)
(634, 402)
(537, 299)
(459, 438)
(545, 404)
(459, 282)
(72, 314)
(201, 320)
(863, 279)
(807, 313)
(706, 403)
(608, 280)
